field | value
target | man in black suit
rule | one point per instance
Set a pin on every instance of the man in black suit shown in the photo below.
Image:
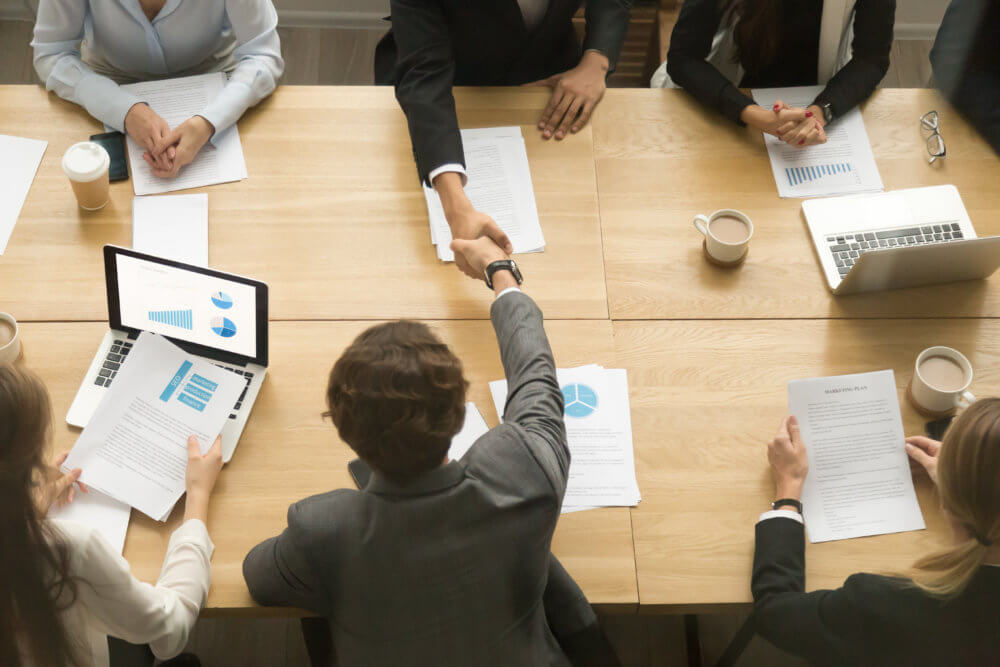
(872, 619)
(435, 44)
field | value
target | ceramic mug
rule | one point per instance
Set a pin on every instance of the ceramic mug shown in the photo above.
(936, 401)
(10, 349)
(717, 250)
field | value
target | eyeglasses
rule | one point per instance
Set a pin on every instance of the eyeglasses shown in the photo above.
(935, 144)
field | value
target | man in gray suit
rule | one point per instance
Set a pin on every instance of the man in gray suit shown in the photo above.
(438, 562)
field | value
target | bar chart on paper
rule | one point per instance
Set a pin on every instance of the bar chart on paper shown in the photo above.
(174, 318)
(835, 173)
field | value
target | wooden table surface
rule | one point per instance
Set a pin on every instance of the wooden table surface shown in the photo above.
(706, 398)
(288, 452)
(332, 215)
(661, 160)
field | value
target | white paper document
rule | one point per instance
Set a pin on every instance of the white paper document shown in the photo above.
(176, 100)
(172, 226)
(106, 515)
(499, 185)
(599, 430)
(20, 160)
(859, 480)
(474, 428)
(134, 448)
(843, 165)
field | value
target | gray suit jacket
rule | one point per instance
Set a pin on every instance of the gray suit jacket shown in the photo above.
(451, 568)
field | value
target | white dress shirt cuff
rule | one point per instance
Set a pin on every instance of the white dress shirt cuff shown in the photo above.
(452, 166)
(507, 291)
(781, 514)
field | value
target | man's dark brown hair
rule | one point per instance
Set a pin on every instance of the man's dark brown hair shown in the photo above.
(397, 397)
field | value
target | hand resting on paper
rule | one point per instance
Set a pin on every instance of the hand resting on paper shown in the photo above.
(799, 127)
(789, 463)
(924, 451)
(179, 147)
(202, 472)
(54, 486)
(472, 257)
(147, 129)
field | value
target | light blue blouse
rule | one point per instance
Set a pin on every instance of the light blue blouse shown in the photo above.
(85, 48)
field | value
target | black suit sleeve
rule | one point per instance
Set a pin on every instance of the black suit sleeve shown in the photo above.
(425, 70)
(278, 574)
(857, 80)
(824, 627)
(966, 62)
(690, 44)
(607, 23)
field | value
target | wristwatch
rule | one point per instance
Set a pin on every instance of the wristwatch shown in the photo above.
(787, 501)
(502, 265)
(827, 110)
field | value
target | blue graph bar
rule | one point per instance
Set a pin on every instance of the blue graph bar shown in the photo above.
(176, 318)
(799, 175)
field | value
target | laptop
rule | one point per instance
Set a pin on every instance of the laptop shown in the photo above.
(216, 316)
(898, 239)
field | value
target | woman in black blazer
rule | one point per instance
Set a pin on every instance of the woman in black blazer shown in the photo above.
(720, 46)
(945, 612)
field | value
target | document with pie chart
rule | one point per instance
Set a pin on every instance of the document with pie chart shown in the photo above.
(599, 429)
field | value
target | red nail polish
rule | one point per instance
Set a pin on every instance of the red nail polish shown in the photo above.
(809, 114)
(775, 107)
(802, 142)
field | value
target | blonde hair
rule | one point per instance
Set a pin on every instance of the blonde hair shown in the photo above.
(969, 483)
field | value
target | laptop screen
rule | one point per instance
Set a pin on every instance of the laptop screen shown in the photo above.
(188, 304)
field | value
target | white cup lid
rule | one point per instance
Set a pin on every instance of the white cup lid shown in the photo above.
(85, 161)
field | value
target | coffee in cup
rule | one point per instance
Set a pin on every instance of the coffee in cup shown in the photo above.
(941, 377)
(86, 164)
(10, 339)
(727, 235)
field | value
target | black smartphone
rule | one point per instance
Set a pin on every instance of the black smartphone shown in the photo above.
(937, 428)
(114, 144)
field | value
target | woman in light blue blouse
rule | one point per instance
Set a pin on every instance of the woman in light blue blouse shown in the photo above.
(85, 48)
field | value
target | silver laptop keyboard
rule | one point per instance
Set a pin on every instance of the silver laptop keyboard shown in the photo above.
(120, 349)
(848, 248)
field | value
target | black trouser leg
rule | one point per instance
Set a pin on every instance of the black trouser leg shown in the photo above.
(319, 642)
(573, 621)
(123, 654)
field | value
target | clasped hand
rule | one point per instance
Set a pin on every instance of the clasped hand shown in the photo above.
(166, 150)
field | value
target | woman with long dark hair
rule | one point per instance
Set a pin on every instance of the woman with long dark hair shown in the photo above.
(720, 46)
(63, 588)
(943, 611)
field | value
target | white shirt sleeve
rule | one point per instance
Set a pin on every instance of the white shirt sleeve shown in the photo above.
(56, 43)
(507, 291)
(451, 166)
(120, 605)
(259, 63)
(787, 514)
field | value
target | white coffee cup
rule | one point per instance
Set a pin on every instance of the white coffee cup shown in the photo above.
(720, 251)
(934, 400)
(86, 165)
(10, 349)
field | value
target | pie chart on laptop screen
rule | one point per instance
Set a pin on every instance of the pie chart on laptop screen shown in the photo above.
(223, 326)
(222, 300)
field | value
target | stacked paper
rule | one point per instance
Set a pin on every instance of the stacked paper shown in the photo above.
(599, 429)
(102, 513)
(21, 158)
(843, 165)
(172, 226)
(499, 185)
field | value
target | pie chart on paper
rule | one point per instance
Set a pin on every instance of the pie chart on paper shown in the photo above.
(580, 400)
(222, 300)
(223, 326)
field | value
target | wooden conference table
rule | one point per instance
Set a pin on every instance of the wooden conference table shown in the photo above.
(333, 220)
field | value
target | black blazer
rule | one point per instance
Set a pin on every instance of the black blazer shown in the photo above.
(434, 44)
(871, 620)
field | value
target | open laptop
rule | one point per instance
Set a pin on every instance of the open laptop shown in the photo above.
(217, 316)
(898, 239)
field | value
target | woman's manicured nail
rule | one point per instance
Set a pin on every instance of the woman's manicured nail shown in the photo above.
(802, 142)
(809, 114)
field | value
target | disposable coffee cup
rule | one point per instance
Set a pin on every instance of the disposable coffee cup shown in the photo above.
(727, 235)
(940, 383)
(10, 339)
(86, 165)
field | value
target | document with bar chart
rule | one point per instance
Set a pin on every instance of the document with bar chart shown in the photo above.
(843, 165)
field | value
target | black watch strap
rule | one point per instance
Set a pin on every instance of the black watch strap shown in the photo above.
(787, 501)
(827, 112)
(502, 265)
